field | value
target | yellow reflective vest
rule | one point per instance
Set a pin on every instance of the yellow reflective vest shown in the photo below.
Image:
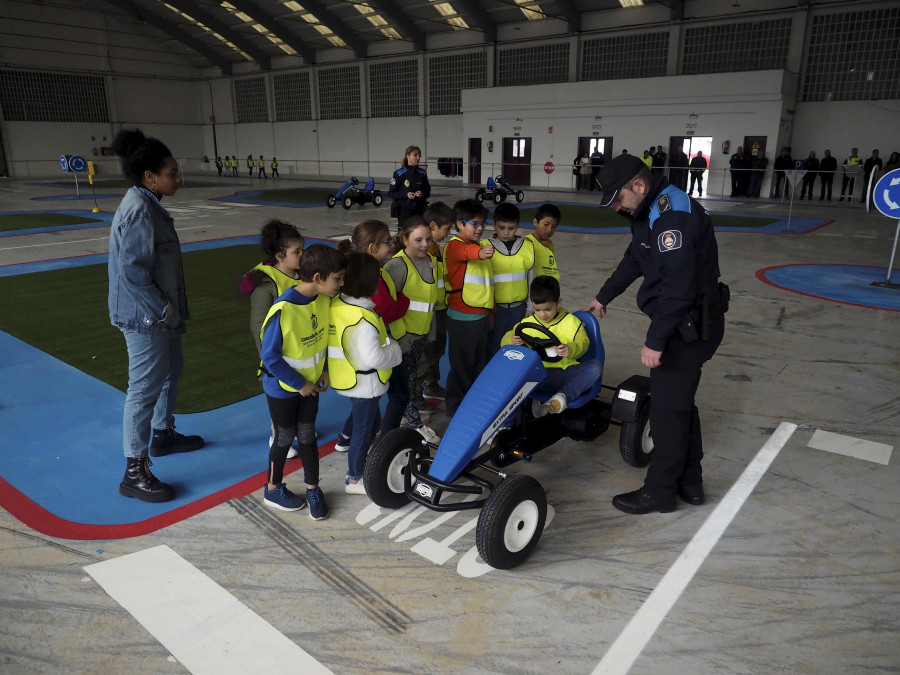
(282, 280)
(341, 370)
(570, 331)
(544, 259)
(304, 331)
(511, 269)
(422, 297)
(398, 327)
(478, 283)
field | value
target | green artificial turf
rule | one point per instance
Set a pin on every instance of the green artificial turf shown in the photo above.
(29, 221)
(73, 325)
(294, 196)
(594, 217)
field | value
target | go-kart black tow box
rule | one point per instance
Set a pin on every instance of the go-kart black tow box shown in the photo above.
(629, 398)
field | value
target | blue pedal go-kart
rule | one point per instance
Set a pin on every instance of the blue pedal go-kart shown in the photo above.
(498, 423)
(350, 194)
(497, 190)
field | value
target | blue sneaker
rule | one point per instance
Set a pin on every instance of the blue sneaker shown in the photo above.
(282, 499)
(318, 509)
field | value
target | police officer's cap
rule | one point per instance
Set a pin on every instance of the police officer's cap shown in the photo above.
(616, 174)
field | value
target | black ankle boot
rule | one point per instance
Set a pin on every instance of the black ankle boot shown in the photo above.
(141, 484)
(168, 441)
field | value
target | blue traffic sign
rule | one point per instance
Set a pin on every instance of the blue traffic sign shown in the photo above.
(886, 194)
(64, 163)
(78, 164)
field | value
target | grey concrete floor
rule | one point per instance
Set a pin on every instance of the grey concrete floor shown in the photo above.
(805, 578)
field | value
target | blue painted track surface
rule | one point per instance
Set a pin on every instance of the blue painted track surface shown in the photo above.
(848, 284)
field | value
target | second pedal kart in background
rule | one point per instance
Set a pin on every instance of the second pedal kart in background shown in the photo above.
(497, 190)
(351, 194)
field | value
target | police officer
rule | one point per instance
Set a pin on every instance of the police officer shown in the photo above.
(673, 247)
(409, 187)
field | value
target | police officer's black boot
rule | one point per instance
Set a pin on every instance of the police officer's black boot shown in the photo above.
(141, 484)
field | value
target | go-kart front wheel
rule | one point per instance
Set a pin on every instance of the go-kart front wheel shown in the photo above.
(331, 201)
(347, 202)
(377, 199)
(479, 196)
(387, 465)
(499, 197)
(635, 441)
(520, 196)
(511, 522)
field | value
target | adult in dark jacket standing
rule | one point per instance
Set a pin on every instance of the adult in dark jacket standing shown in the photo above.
(809, 178)
(868, 167)
(827, 169)
(409, 187)
(784, 162)
(673, 249)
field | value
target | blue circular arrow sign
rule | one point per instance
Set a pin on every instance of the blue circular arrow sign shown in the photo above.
(64, 163)
(78, 164)
(886, 195)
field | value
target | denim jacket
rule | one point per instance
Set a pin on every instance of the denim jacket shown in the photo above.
(146, 279)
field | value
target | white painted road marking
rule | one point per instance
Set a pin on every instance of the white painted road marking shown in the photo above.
(632, 640)
(204, 627)
(851, 447)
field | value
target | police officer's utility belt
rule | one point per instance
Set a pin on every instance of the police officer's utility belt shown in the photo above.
(696, 324)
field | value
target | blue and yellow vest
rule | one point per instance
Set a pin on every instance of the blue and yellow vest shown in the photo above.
(304, 333)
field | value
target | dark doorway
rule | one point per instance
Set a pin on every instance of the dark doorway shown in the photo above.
(517, 161)
(475, 161)
(592, 144)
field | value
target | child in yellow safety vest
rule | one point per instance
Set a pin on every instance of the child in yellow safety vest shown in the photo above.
(415, 273)
(361, 357)
(292, 362)
(513, 267)
(546, 220)
(568, 378)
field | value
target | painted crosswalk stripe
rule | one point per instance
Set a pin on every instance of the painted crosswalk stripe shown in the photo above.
(632, 640)
(204, 627)
(851, 447)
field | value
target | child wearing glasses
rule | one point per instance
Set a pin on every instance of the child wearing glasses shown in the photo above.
(469, 289)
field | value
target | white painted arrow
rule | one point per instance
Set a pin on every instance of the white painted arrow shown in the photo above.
(887, 197)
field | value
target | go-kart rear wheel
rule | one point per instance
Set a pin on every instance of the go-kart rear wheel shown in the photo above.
(331, 201)
(499, 197)
(635, 441)
(520, 196)
(377, 199)
(387, 465)
(479, 196)
(347, 202)
(511, 522)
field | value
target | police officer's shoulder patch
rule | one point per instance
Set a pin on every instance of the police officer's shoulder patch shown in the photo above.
(669, 240)
(663, 204)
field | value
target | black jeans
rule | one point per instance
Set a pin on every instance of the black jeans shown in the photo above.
(294, 417)
(467, 348)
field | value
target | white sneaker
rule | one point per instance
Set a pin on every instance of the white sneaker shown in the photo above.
(292, 452)
(557, 403)
(354, 488)
(429, 435)
(340, 445)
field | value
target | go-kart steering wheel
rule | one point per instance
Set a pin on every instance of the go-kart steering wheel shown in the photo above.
(545, 345)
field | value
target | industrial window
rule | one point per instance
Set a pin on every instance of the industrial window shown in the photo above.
(540, 64)
(449, 75)
(293, 101)
(394, 88)
(734, 47)
(853, 56)
(28, 96)
(339, 93)
(250, 101)
(625, 56)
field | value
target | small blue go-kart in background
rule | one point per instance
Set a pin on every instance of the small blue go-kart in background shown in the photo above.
(497, 190)
(350, 194)
(499, 422)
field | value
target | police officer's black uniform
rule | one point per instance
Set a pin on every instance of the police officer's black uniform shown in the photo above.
(674, 249)
(408, 179)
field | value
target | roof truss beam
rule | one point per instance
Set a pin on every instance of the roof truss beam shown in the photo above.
(223, 29)
(392, 12)
(277, 27)
(481, 19)
(570, 14)
(336, 26)
(174, 32)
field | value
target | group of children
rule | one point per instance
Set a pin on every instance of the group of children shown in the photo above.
(375, 315)
(230, 166)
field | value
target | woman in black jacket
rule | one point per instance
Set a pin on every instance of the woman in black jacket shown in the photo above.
(409, 188)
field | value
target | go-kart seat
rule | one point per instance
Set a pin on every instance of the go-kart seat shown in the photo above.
(491, 185)
(595, 351)
(370, 185)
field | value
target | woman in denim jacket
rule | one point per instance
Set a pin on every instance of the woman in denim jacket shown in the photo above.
(147, 302)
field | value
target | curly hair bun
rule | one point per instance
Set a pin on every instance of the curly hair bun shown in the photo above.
(128, 141)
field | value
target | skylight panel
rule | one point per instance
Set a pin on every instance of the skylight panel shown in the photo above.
(311, 19)
(377, 20)
(208, 30)
(448, 11)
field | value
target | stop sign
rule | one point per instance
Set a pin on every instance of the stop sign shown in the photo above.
(548, 167)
